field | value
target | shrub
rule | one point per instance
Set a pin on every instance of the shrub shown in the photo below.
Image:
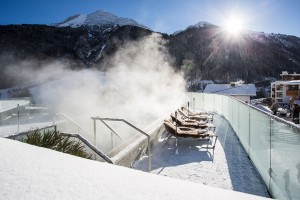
(56, 141)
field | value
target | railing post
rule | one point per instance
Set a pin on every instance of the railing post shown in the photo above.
(95, 134)
(270, 169)
(249, 131)
(18, 118)
(149, 155)
(112, 139)
(194, 103)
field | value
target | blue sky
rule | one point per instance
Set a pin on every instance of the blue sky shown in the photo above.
(168, 16)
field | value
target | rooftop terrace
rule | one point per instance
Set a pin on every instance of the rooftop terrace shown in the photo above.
(227, 167)
(251, 144)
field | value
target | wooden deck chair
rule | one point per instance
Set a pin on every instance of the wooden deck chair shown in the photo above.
(185, 132)
(189, 122)
(200, 118)
(194, 113)
(179, 131)
(200, 114)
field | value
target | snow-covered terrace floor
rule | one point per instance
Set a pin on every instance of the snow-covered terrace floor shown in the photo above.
(228, 167)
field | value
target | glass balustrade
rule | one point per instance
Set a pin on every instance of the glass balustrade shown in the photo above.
(272, 144)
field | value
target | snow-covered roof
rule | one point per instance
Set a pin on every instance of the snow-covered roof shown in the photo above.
(35, 173)
(228, 89)
(294, 82)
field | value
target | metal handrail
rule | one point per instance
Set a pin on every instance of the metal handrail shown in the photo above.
(72, 121)
(111, 130)
(131, 125)
(90, 145)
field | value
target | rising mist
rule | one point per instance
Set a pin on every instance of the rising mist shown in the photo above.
(140, 86)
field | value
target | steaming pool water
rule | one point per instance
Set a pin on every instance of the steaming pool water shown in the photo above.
(109, 140)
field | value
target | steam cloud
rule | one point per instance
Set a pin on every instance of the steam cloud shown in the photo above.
(140, 86)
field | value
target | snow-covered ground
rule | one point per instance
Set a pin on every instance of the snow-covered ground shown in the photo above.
(228, 167)
(30, 172)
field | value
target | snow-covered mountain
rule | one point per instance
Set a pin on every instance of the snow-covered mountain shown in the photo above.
(98, 18)
(200, 24)
(203, 50)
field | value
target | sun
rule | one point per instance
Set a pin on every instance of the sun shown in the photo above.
(234, 25)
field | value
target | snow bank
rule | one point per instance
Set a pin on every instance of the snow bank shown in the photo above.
(29, 172)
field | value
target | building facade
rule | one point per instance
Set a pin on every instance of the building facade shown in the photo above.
(286, 89)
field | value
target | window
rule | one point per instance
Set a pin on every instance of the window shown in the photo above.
(279, 94)
(278, 87)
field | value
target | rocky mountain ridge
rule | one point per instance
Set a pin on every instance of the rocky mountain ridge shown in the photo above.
(98, 18)
(203, 51)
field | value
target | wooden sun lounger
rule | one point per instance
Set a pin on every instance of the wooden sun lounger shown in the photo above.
(185, 132)
(192, 123)
(181, 131)
(194, 113)
(198, 118)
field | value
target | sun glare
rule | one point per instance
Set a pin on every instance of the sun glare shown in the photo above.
(233, 25)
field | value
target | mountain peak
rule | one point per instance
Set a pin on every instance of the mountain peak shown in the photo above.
(200, 24)
(97, 18)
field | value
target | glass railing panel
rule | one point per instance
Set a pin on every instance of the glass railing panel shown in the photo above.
(74, 126)
(285, 161)
(212, 103)
(207, 99)
(225, 106)
(276, 159)
(230, 110)
(235, 114)
(218, 104)
(103, 138)
(113, 136)
(199, 100)
(259, 150)
(244, 125)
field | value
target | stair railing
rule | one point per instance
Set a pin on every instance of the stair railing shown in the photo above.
(129, 124)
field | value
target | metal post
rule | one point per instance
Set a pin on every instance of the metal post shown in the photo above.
(18, 118)
(112, 139)
(176, 151)
(188, 109)
(149, 155)
(249, 130)
(176, 121)
(95, 138)
(194, 103)
(270, 169)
